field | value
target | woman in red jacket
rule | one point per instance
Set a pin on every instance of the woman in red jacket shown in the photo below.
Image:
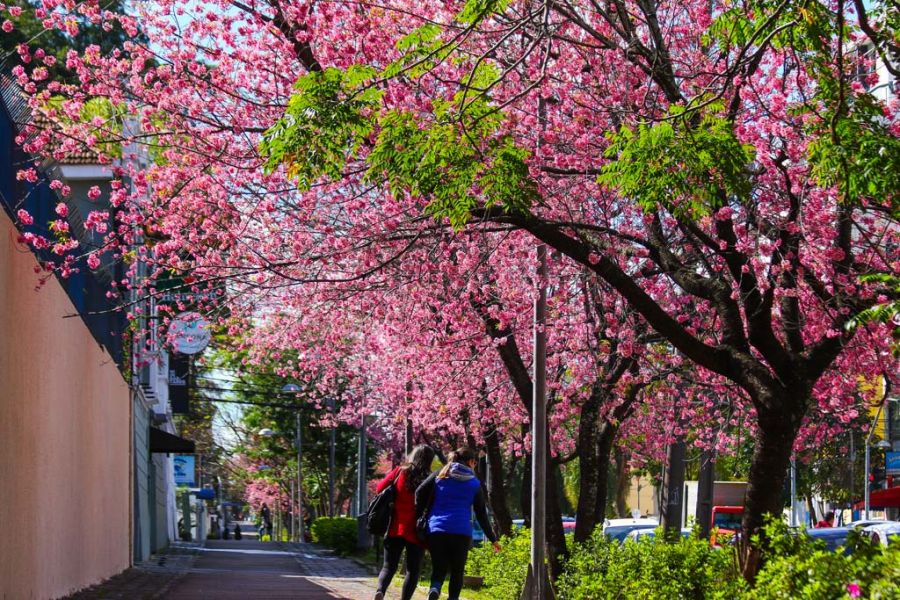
(402, 532)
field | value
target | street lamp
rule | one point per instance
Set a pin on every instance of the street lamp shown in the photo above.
(293, 388)
(882, 444)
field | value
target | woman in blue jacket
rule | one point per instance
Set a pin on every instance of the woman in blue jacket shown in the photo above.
(449, 497)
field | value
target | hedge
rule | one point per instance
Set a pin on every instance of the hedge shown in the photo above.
(796, 566)
(338, 533)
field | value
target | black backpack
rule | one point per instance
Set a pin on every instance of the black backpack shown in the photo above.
(381, 510)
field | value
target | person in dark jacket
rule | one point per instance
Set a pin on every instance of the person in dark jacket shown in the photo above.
(448, 497)
(401, 534)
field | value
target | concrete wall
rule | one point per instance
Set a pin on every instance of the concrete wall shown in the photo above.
(65, 428)
(141, 513)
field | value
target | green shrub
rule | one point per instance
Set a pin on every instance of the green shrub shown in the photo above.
(649, 568)
(504, 572)
(338, 533)
(796, 566)
(799, 567)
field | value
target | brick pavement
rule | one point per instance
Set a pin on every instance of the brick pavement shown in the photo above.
(243, 570)
(146, 580)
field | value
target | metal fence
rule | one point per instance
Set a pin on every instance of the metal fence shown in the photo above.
(87, 289)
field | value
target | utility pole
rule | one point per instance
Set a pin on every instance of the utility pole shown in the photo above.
(299, 480)
(362, 496)
(794, 491)
(537, 583)
(331, 461)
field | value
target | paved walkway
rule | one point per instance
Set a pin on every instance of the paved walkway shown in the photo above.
(239, 570)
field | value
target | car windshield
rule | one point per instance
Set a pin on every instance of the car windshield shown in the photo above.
(618, 532)
(832, 539)
(725, 520)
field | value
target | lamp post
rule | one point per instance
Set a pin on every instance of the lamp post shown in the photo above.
(537, 583)
(331, 461)
(293, 388)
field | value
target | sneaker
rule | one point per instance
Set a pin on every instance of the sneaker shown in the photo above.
(433, 594)
(379, 595)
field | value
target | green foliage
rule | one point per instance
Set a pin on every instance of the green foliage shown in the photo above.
(338, 533)
(111, 121)
(886, 312)
(799, 567)
(449, 164)
(504, 572)
(690, 169)
(855, 150)
(326, 121)
(422, 50)
(455, 158)
(475, 11)
(649, 568)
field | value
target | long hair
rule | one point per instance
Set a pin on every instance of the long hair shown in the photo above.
(418, 466)
(462, 455)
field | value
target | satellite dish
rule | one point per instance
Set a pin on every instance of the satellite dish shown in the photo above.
(190, 333)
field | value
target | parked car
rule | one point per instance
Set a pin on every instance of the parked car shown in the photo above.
(883, 533)
(649, 534)
(863, 523)
(568, 524)
(617, 529)
(834, 537)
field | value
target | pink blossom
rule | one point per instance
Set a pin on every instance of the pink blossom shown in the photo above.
(853, 590)
(24, 217)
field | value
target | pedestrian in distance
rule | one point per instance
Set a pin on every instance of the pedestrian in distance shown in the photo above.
(828, 521)
(447, 498)
(266, 516)
(401, 534)
(237, 531)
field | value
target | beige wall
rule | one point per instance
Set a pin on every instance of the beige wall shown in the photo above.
(64, 441)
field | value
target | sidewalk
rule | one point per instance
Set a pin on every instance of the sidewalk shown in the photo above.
(239, 570)
(146, 580)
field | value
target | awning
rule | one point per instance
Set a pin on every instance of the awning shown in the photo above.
(889, 498)
(162, 441)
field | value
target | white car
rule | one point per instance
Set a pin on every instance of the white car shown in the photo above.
(863, 523)
(617, 529)
(883, 533)
(642, 534)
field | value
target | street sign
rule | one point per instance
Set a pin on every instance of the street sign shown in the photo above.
(892, 463)
(190, 333)
(179, 382)
(184, 469)
(205, 494)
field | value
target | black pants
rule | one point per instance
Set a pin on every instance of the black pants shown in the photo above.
(393, 548)
(449, 552)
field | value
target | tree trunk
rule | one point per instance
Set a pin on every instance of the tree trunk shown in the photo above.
(525, 492)
(589, 490)
(593, 463)
(605, 450)
(496, 487)
(623, 483)
(778, 427)
(556, 538)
